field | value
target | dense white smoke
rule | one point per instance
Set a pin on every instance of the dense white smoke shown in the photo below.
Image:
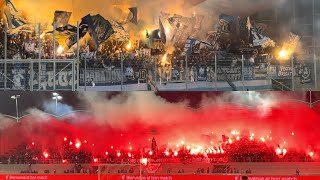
(57, 109)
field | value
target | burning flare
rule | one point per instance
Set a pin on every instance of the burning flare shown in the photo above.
(284, 54)
(164, 59)
(60, 50)
(129, 46)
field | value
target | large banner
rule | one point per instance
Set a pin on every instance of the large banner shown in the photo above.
(229, 73)
(112, 76)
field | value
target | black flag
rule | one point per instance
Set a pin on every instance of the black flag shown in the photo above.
(134, 19)
(99, 28)
(162, 33)
(61, 18)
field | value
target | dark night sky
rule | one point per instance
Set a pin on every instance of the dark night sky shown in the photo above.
(36, 99)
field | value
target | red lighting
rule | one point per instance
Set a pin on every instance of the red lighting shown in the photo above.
(95, 160)
(284, 151)
(144, 161)
(70, 143)
(129, 155)
(107, 153)
(78, 144)
(111, 147)
(65, 138)
(118, 154)
(167, 153)
(150, 153)
(175, 153)
(85, 141)
(92, 144)
(46, 155)
(32, 143)
(64, 161)
(278, 151)
(311, 154)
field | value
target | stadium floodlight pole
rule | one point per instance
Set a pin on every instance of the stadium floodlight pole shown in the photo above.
(16, 97)
(56, 97)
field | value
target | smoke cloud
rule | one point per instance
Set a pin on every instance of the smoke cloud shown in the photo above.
(149, 11)
(136, 117)
(59, 109)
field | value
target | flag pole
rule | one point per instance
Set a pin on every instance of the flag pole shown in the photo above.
(54, 40)
(85, 74)
(54, 56)
(121, 64)
(39, 64)
(78, 56)
(5, 54)
(292, 74)
(5, 41)
(242, 72)
(155, 72)
(39, 41)
(215, 71)
(315, 71)
(187, 72)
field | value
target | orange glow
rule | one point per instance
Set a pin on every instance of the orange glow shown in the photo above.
(284, 54)
(60, 50)
(164, 59)
(129, 46)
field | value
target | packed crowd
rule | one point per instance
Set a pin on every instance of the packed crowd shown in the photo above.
(241, 151)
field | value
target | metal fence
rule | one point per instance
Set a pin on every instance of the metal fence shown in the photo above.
(38, 75)
(34, 60)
